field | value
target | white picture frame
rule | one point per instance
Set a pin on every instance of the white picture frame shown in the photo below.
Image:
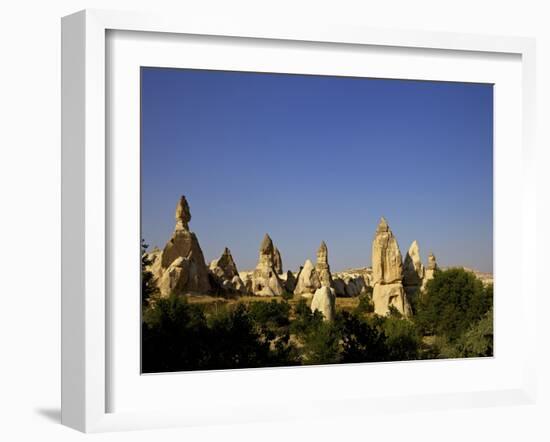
(86, 356)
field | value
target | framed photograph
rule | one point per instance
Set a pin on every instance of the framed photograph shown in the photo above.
(265, 222)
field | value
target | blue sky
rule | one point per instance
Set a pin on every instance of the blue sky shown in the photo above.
(311, 158)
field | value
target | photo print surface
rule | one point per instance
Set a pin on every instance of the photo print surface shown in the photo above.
(293, 220)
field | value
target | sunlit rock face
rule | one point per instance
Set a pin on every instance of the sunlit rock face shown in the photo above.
(265, 278)
(387, 273)
(324, 300)
(413, 270)
(322, 267)
(181, 267)
(224, 270)
(307, 281)
(430, 271)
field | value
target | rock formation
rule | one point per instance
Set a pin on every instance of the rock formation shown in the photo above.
(265, 279)
(387, 273)
(277, 261)
(290, 282)
(339, 287)
(307, 281)
(355, 285)
(224, 270)
(322, 267)
(413, 270)
(324, 300)
(430, 271)
(181, 267)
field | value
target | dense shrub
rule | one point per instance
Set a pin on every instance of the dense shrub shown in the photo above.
(321, 343)
(455, 308)
(365, 304)
(361, 341)
(274, 313)
(148, 287)
(403, 341)
(177, 336)
(454, 300)
(174, 337)
(477, 341)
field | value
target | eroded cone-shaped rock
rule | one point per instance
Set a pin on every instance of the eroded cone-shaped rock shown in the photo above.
(324, 300)
(339, 287)
(387, 264)
(322, 267)
(277, 261)
(308, 280)
(430, 271)
(190, 273)
(413, 270)
(387, 273)
(224, 266)
(225, 271)
(265, 279)
(355, 285)
(290, 283)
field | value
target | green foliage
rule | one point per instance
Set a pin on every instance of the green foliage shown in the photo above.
(477, 341)
(304, 318)
(365, 304)
(454, 299)
(177, 336)
(148, 287)
(174, 337)
(274, 313)
(403, 341)
(455, 312)
(394, 313)
(321, 343)
(361, 341)
(287, 296)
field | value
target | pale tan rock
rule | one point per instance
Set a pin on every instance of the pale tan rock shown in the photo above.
(324, 300)
(155, 258)
(238, 285)
(190, 273)
(432, 264)
(387, 273)
(277, 261)
(387, 264)
(308, 280)
(224, 266)
(413, 270)
(386, 295)
(265, 279)
(248, 280)
(225, 272)
(322, 266)
(429, 272)
(355, 285)
(183, 214)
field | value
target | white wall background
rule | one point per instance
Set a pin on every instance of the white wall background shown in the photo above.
(30, 215)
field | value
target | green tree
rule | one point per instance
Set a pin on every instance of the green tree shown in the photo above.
(454, 300)
(365, 304)
(403, 340)
(321, 344)
(477, 341)
(361, 341)
(320, 340)
(148, 287)
(175, 337)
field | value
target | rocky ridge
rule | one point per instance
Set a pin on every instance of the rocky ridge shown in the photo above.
(392, 281)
